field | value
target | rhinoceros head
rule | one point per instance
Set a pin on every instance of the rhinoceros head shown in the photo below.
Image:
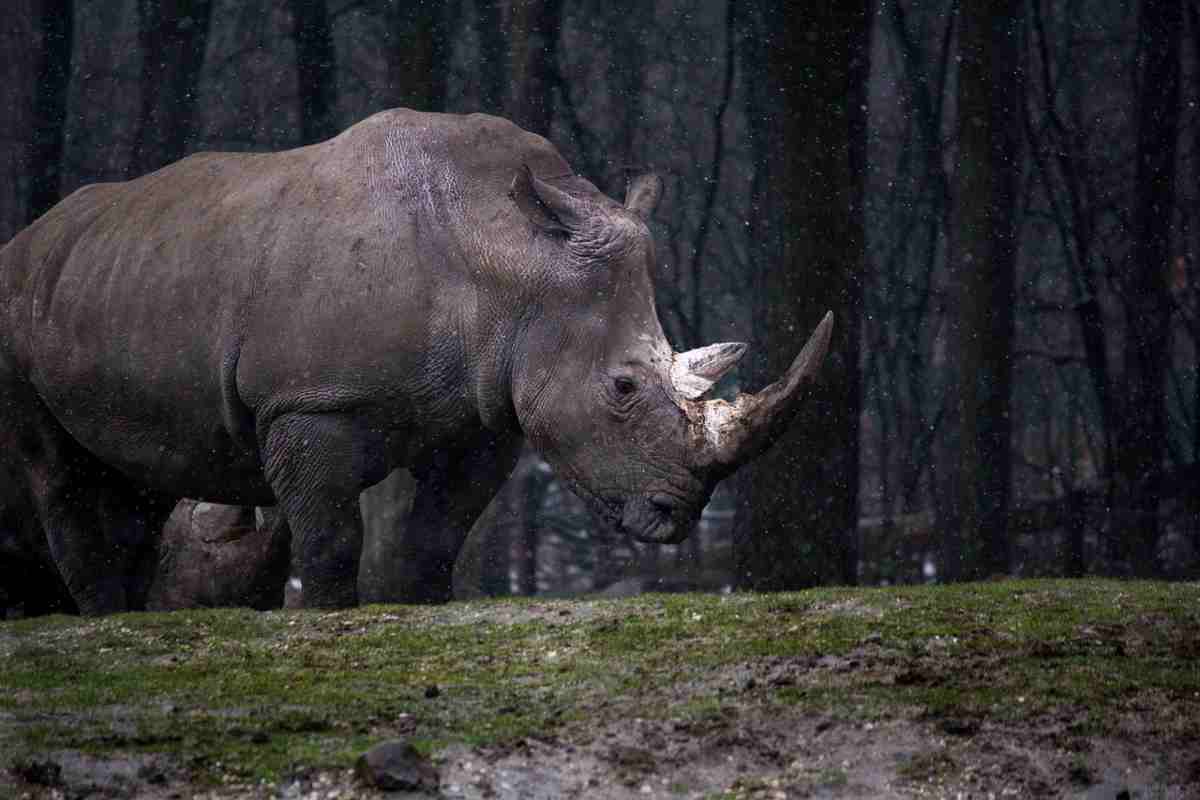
(598, 389)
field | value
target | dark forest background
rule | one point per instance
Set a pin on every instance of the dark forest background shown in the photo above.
(997, 200)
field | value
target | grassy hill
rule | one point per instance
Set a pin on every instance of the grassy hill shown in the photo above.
(1024, 688)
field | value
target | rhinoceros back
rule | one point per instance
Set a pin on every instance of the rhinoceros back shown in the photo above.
(157, 317)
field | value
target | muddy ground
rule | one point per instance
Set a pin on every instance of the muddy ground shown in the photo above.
(1031, 689)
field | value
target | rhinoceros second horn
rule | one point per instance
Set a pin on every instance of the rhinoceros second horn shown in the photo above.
(734, 433)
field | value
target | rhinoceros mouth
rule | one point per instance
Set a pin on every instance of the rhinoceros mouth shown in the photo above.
(656, 519)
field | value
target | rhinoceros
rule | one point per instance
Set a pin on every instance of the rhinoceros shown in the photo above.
(422, 290)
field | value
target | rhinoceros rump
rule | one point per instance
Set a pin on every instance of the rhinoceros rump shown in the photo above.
(422, 291)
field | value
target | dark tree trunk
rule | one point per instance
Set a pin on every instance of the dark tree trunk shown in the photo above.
(527, 561)
(416, 55)
(493, 67)
(495, 571)
(534, 27)
(1062, 141)
(982, 266)
(809, 73)
(1076, 565)
(502, 532)
(1142, 434)
(384, 508)
(531, 492)
(55, 18)
(1192, 265)
(315, 65)
(19, 75)
(626, 72)
(172, 35)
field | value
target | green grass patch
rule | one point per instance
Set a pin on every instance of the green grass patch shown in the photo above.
(267, 693)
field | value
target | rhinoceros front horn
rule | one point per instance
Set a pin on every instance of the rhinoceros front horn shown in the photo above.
(733, 433)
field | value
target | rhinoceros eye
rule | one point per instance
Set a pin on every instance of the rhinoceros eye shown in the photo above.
(625, 386)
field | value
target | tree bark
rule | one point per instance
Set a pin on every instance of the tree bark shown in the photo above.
(502, 532)
(384, 508)
(416, 55)
(530, 492)
(173, 35)
(493, 71)
(19, 75)
(55, 26)
(808, 127)
(1142, 434)
(315, 63)
(534, 27)
(983, 268)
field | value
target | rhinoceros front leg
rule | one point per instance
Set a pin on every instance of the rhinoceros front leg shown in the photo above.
(317, 464)
(450, 497)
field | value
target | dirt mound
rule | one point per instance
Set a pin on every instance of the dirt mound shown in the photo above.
(1039, 689)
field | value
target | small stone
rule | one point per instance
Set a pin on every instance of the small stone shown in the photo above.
(152, 774)
(39, 773)
(397, 765)
(960, 727)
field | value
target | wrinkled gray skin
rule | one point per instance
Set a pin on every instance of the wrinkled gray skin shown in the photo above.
(421, 291)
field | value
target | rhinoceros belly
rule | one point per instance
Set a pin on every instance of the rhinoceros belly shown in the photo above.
(176, 444)
(153, 409)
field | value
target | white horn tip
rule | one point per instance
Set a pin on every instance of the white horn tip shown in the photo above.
(817, 346)
(693, 373)
(826, 326)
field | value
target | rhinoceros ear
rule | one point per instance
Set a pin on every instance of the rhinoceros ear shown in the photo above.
(548, 208)
(643, 193)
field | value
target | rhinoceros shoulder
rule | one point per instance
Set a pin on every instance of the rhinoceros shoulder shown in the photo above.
(484, 150)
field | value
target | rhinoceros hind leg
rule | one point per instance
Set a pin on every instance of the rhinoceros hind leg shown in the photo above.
(100, 529)
(28, 576)
(317, 465)
(46, 593)
(29, 579)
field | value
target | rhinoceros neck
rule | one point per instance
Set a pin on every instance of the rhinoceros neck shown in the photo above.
(492, 349)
